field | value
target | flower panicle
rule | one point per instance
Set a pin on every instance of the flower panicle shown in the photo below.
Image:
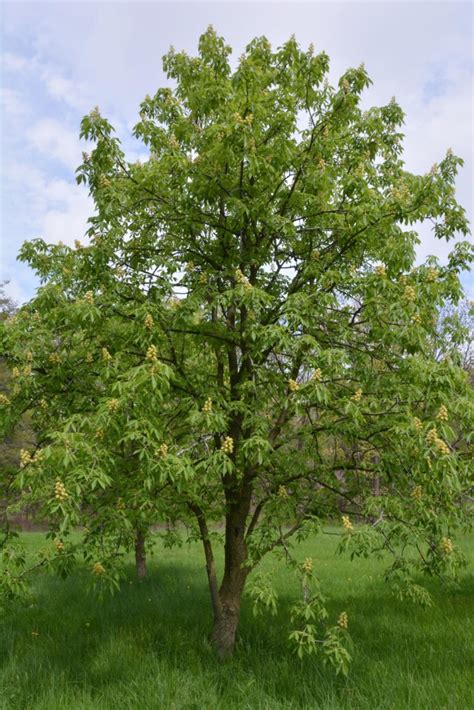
(347, 524)
(227, 445)
(343, 620)
(207, 406)
(293, 385)
(60, 492)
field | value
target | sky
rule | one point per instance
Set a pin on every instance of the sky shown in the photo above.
(59, 60)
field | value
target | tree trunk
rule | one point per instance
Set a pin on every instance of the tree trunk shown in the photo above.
(140, 555)
(227, 612)
(225, 629)
(226, 599)
(227, 615)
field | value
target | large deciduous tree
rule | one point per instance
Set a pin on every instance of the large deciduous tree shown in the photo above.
(269, 241)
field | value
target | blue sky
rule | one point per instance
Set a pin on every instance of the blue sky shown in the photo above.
(59, 60)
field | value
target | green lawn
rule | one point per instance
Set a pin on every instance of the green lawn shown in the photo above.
(146, 647)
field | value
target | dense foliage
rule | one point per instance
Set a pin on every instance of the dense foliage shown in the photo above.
(246, 337)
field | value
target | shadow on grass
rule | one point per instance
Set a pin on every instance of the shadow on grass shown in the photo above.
(161, 625)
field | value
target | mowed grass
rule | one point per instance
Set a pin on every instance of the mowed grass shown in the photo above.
(147, 647)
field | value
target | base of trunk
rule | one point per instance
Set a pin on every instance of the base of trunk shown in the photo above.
(223, 634)
(140, 556)
(141, 569)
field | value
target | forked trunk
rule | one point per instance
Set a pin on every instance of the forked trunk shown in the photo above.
(227, 614)
(226, 599)
(140, 555)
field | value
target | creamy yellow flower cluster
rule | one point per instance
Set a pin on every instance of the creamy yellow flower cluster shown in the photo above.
(308, 565)
(207, 406)
(442, 414)
(58, 544)
(400, 193)
(346, 523)
(152, 354)
(409, 293)
(432, 274)
(98, 569)
(442, 447)
(343, 621)
(282, 492)
(293, 386)
(104, 182)
(242, 279)
(241, 120)
(162, 450)
(173, 141)
(55, 359)
(4, 401)
(149, 322)
(447, 545)
(433, 438)
(346, 87)
(227, 445)
(357, 396)
(26, 458)
(113, 405)
(60, 492)
(417, 493)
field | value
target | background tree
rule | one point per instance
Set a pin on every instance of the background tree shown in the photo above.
(455, 339)
(279, 216)
(18, 434)
(70, 378)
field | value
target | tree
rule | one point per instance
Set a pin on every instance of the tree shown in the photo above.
(18, 436)
(68, 375)
(455, 338)
(269, 238)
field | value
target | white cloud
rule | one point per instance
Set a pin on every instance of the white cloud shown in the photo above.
(12, 62)
(66, 212)
(13, 103)
(60, 88)
(57, 209)
(72, 92)
(52, 138)
(15, 291)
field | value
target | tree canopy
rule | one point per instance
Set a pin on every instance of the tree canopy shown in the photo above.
(249, 328)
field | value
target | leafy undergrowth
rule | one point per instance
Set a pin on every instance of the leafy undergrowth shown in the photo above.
(147, 647)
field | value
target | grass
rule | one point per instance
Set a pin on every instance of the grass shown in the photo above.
(146, 647)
